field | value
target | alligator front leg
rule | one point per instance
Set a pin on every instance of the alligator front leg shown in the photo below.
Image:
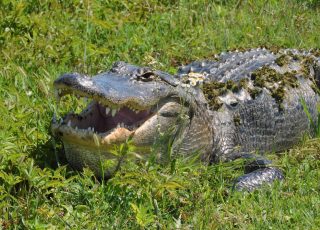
(257, 173)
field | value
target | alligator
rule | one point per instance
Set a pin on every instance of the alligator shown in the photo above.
(238, 104)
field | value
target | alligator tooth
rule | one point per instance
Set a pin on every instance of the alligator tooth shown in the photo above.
(96, 139)
(69, 123)
(113, 112)
(122, 124)
(107, 110)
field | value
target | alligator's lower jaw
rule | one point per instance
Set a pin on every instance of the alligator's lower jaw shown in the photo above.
(100, 156)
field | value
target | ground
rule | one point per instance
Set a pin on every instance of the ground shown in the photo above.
(39, 40)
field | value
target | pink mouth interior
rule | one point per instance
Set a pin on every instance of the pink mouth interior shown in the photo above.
(95, 116)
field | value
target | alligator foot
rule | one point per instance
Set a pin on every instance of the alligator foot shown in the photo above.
(257, 173)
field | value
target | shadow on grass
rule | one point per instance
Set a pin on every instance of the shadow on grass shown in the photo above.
(49, 155)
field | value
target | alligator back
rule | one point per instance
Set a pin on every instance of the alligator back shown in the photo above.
(258, 100)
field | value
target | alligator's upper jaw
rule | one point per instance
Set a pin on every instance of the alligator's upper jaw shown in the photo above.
(115, 90)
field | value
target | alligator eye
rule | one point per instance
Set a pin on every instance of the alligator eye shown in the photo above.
(234, 103)
(146, 76)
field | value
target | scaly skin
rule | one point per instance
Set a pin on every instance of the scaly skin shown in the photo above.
(262, 123)
(239, 103)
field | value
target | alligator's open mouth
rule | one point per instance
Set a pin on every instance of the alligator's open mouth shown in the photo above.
(102, 125)
(99, 124)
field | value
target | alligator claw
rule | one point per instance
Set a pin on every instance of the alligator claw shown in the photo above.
(257, 178)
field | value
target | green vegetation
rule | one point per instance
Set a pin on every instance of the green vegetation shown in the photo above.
(39, 40)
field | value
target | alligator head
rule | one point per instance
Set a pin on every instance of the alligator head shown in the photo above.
(129, 102)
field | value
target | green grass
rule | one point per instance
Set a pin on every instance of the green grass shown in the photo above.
(39, 40)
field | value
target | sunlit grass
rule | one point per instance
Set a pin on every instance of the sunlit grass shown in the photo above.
(39, 40)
